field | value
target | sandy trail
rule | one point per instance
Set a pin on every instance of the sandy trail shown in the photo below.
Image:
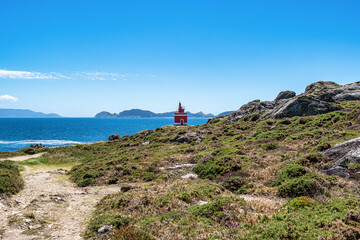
(61, 209)
(23, 158)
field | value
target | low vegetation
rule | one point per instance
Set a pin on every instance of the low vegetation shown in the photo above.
(10, 180)
(307, 219)
(275, 161)
(155, 213)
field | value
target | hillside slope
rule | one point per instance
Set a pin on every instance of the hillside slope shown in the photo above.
(250, 177)
(189, 182)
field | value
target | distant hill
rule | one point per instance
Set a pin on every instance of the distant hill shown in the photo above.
(224, 113)
(138, 113)
(25, 113)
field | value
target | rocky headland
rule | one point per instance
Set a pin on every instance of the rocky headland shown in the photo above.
(25, 113)
(318, 98)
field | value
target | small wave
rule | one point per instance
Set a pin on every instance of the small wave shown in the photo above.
(44, 142)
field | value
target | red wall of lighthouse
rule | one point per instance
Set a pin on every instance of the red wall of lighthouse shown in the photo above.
(180, 116)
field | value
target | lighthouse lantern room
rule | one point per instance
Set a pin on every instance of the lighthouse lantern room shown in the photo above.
(180, 116)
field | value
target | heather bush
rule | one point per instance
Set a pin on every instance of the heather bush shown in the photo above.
(11, 181)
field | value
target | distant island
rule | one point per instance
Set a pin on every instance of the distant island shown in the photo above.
(25, 113)
(138, 113)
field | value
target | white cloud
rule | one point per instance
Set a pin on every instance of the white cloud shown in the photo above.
(24, 75)
(8, 98)
(75, 75)
(100, 76)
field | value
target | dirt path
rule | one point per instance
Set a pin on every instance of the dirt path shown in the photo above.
(23, 158)
(50, 206)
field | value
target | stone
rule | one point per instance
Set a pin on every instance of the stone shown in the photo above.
(182, 139)
(198, 140)
(57, 198)
(335, 170)
(145, 143)
(199, 203)
(180, 166)
(303, 105)
(104, 229)
(190, 176)
(349, 92)
(340, 156)
(35, 227)
(285, 95)
(192, 134)
(252, 107)
(114, 137)
(344, 153)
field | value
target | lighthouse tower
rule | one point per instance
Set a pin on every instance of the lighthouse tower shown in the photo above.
(180, 116)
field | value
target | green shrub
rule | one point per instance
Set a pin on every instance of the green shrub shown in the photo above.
(206, 210)
(29, 150)
(236, 184)
(119, 221)
(208, 169)
(294, 181)
(300, 186)
(301, 202)
(288, 172)
(11, 181)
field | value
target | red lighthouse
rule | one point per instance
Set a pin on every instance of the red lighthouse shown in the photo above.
(180, 116)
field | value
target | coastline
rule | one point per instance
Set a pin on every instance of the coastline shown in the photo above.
(20, 133)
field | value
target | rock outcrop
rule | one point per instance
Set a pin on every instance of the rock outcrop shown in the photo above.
(300, 106)
(341, 155)
(114, 137)
(285, 95)
(318, 98)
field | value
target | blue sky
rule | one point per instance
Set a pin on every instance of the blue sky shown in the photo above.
(77, 58)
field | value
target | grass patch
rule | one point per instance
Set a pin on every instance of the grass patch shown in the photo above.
(309, 222)
(11, 181)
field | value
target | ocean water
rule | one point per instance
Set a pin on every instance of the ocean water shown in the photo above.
(17, 133)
